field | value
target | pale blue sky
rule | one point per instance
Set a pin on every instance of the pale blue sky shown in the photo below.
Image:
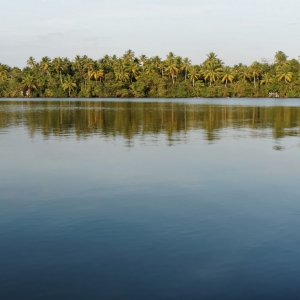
(237, 30)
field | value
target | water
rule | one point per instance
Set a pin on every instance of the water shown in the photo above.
(185, 199)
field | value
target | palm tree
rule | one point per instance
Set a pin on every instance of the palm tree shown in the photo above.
(284, 73)
(121, 72)
(255, 71)
(171, 56)
(280, 58)
(128, 56)
(161, 67)
(213, 58)
(212, 71)
(98, 74)
(226, 75)
(77, 63)
(193, 74)
(244, 73)
(185, 65)
(29, 83)
(31, 63)
(69, 84)
(133, 70)
(150, 69)
(266, 79)
(107, 60)
(172, 69)
(156, 60)
(45, 65)
(113, 59)
(88, 66)
(59, 66)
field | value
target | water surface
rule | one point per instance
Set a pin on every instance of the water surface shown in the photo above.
(185, 199)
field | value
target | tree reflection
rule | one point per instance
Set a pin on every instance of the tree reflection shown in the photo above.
(128, 119)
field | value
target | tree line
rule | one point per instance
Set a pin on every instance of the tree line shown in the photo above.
(139, 77)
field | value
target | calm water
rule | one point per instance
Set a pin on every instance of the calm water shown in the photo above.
(191, 199)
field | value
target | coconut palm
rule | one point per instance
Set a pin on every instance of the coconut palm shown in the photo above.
(244, 72)
(150, 69)
(266, 79)
(156, 61)
(133, 68)
(161, 67)
(29, 83)
(280, 58)
(128, 56)
(98, 74)
(121, 72)
(179, 62)
(226, 75)
(185, 65)
(45, 65)
(69, 85)
(284, 73)
(212, 71)
(172, 69)
(31, 62)
(193, 74)
(77, 63)
(88, 66)
(171, 56)
(213, 58)
(59, 66)
(255, 70)
(107, 60)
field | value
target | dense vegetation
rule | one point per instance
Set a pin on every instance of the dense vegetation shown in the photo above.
(130, 119)
(130, 76)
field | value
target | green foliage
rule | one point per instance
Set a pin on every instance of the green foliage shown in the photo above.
(153, 77)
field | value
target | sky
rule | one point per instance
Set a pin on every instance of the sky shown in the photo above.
(236, 30)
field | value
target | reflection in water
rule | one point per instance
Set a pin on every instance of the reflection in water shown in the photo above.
(131, 118)
(81, 217)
